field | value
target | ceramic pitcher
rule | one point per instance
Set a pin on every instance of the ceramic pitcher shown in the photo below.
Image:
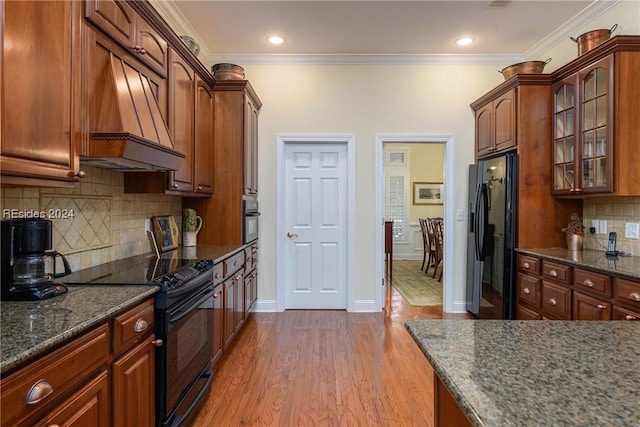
(191, 224)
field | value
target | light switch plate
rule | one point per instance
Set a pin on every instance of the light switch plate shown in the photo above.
(602, 229)
(594, 224)
(460, 215)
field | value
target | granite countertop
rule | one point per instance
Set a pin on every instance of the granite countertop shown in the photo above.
(31, 327)
(628, 266)
(94, 294)
(521, 373)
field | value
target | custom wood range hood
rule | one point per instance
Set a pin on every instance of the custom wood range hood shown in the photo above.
(128, 132)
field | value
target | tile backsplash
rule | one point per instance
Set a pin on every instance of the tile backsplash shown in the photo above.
(616, 211)
(96, 222)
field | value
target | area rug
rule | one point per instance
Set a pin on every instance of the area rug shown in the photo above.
(418, 288)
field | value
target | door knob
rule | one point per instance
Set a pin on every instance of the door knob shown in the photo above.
(290, 235)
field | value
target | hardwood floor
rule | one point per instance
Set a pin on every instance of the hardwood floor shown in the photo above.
(329, 368)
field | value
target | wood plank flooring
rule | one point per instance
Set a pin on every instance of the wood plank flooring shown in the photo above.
(324, 368)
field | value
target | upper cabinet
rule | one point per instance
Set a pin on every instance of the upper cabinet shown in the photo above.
(118, 20)
(40, 113)
(596, 99)
(251, 146)
(496, 125)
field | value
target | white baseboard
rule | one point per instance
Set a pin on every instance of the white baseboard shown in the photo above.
(266, 306)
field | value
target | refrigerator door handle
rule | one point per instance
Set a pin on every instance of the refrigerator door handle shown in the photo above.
(482, 217)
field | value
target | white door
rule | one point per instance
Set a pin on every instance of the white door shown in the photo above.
(315, 210)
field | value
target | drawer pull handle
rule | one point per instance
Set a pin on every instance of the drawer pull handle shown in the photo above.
(634, 296)
(602, 306)
(526, 291)
(630, 317)
(553, 302)
(141, 325)
(526, 265)
(588, 283)
(218, 276)
(553, 273)
(38, 391)
(238, 277)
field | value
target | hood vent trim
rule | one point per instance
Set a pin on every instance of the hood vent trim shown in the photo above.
(131, 134)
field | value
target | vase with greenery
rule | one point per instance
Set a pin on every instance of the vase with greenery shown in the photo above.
(574, 232)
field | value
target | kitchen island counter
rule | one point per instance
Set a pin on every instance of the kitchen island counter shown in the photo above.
(518, 373)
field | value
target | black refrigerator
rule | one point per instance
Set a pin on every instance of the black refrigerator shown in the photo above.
(491, 239)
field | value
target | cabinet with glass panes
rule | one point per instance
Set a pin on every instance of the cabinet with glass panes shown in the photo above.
(582, 136)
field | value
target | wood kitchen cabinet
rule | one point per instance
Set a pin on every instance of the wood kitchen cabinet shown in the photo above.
(595, 121)
(218, 322)
(118, 19)
(40, 111)
(555, 290)
(517, 112)
(234, 165)
(496, 125)
(104, 377)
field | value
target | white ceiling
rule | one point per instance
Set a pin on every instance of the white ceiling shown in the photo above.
(232, 29)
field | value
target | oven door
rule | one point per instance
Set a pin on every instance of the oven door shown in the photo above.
(250, 230)
(188, 353)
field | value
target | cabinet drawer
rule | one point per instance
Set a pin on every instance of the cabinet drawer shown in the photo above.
(586, 307)
(49, 378)
(556, 300)
(218, 273)
(233, 263)
(527, 314)
(132, 325)
(529, 264)
(619, 313)
(595, 282)
(627, 291)
(529, 289)
(248, 259)
(557, 272)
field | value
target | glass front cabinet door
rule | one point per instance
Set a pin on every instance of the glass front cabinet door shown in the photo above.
(582, 135)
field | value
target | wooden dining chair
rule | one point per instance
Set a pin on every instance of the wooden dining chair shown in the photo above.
(427, 248)
(436, 228)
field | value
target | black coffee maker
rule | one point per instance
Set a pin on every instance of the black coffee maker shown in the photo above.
(28, 265)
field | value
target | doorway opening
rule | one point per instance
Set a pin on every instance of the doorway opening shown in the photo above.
(411, 195)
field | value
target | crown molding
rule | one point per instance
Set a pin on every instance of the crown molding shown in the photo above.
(177, 21)
(572, 26)
(365, 59)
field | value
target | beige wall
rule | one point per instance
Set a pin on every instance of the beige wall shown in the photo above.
(106, 224)
(426, 165)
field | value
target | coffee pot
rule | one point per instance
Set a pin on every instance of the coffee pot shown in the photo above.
(28, 264)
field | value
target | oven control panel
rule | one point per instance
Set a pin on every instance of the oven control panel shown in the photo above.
(185, 275)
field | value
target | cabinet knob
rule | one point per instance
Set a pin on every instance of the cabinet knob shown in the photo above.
(216, 296)
(199, 188)
(218, 276)
(630, 317)
(139, 50)
(553, 273)
(526, 265)
(158, 342)
(553, 302)
(38, 391)
(79, 174)
(588, 283)
(526, 291)
(141, 325)
(237, 277)
(174, 185)
(602, 306)
(634, 296)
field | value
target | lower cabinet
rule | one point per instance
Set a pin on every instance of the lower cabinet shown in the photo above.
(104, 377)
(218, 316)
(552, 290)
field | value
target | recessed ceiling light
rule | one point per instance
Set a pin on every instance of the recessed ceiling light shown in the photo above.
(275, 39)
(465, 41)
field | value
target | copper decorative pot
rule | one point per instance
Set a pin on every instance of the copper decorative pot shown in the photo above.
(588, 41)
(528, 67)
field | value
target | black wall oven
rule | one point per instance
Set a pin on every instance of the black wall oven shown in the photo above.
(250, 215)
(184, 321)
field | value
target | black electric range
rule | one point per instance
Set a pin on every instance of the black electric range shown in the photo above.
(183, 324)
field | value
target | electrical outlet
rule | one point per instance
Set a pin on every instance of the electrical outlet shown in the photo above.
(602, 229)
(460, 215)
(594, 224)
(632, 230)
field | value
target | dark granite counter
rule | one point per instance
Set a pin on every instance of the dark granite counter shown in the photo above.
(95, 294)
(32, 327)
(628, 266)
(526, 373)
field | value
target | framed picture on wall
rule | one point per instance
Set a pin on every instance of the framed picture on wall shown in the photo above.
(428, 193)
